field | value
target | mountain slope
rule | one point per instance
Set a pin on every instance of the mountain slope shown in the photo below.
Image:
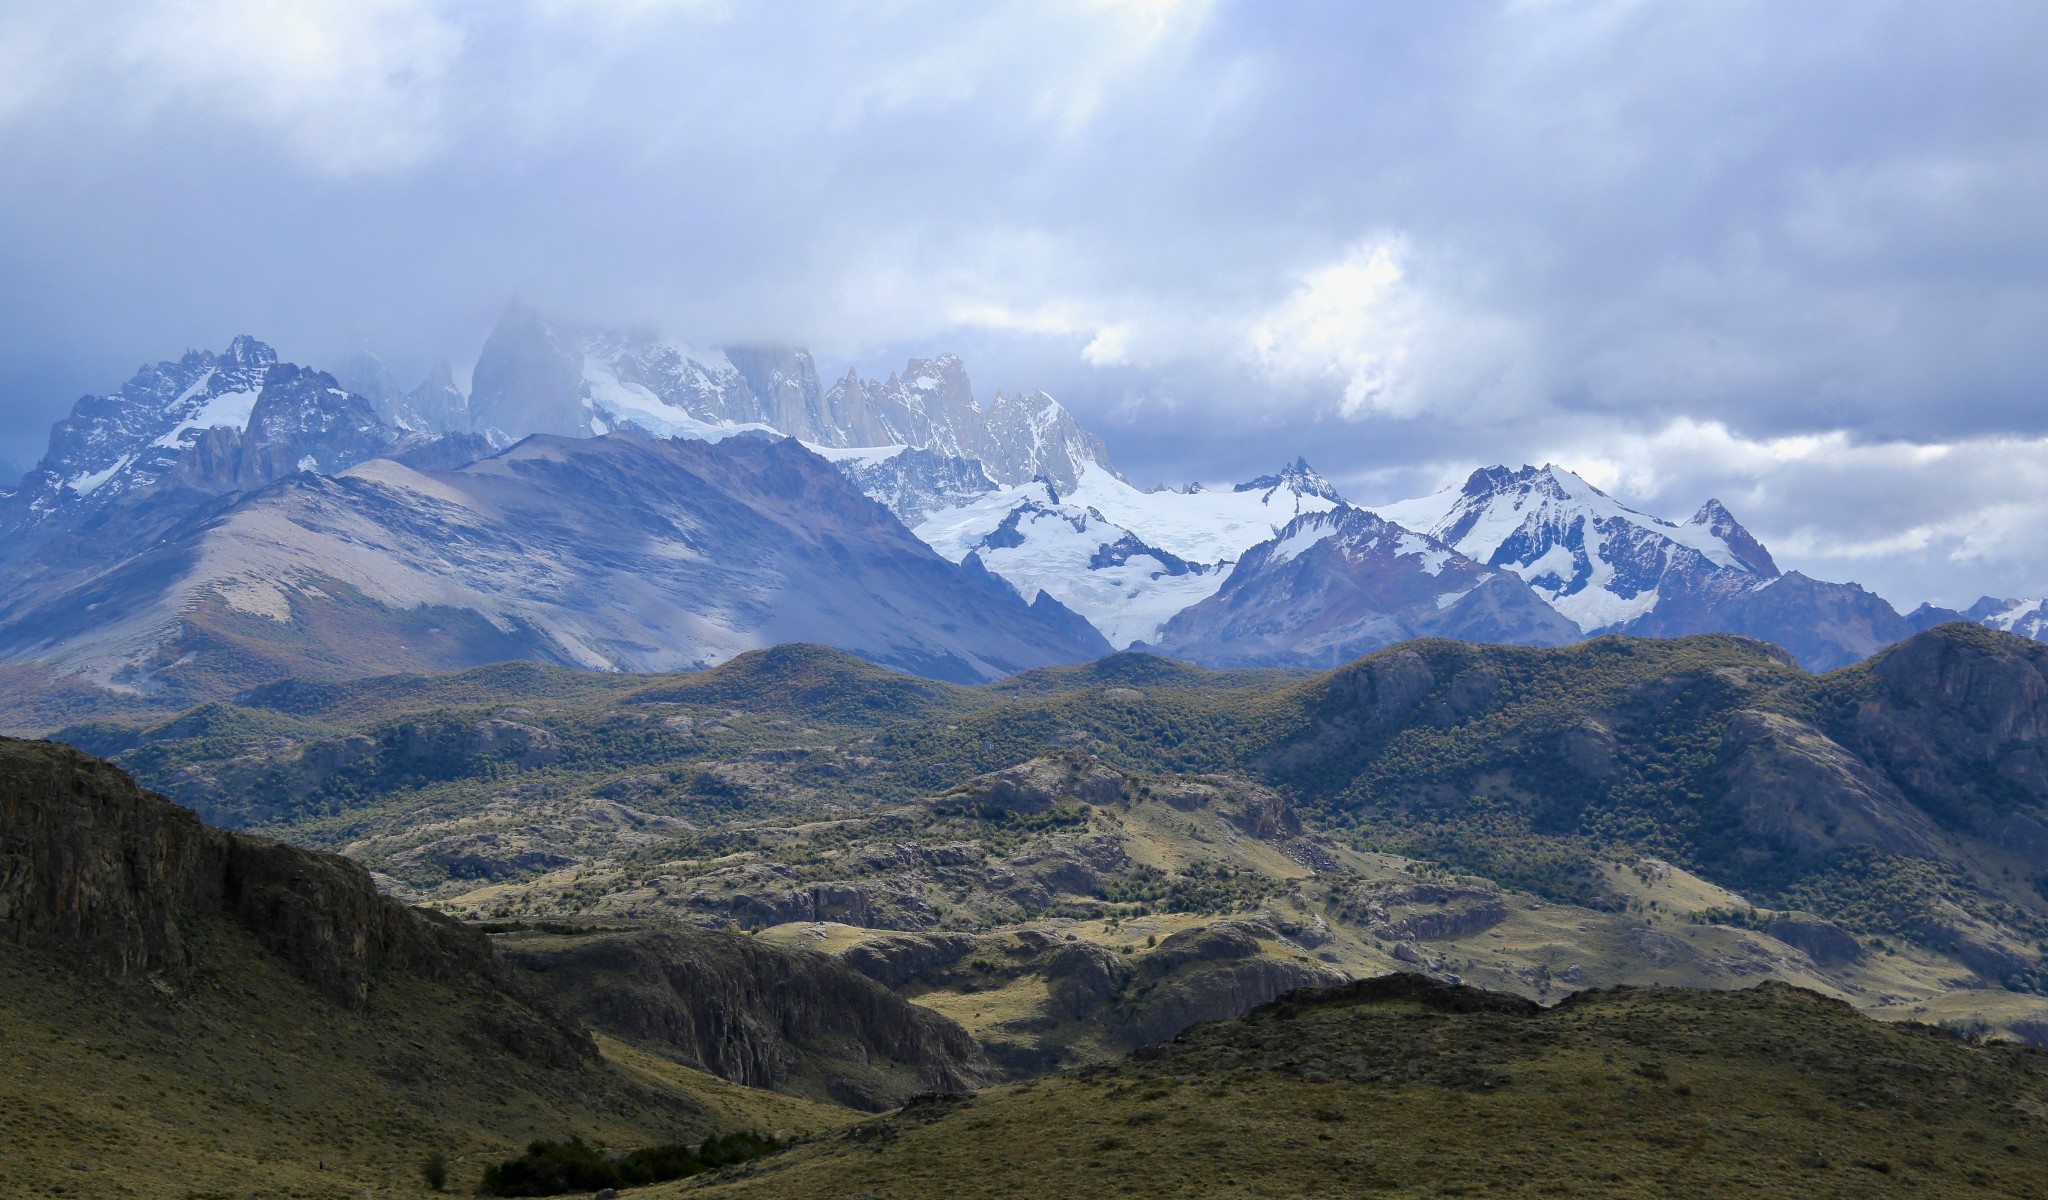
(1600, 563)
(186, 1010)
(1607, 567)
(1401, 1087)
(1694, 811)
(1125, 559)
(1335, 585)
(207, 423)
(536, 376)
(931, 404)
(611, 553)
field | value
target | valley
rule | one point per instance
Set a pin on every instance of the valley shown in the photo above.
(1695, 812)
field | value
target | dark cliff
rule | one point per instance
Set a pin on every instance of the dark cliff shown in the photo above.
(794, 1021)
(117, 881)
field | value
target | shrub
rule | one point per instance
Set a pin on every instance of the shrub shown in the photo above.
(434, 1170)
(553, 1168)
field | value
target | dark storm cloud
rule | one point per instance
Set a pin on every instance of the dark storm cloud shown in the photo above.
(1401, 238)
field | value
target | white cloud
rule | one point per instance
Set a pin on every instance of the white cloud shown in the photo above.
(1352, 321)
(1110, 347)
(1915, 520)
(343, 86)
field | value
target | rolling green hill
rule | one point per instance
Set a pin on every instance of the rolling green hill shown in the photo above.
(1398, 1087)
(1880, 831)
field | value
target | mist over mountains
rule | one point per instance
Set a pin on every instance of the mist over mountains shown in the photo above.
(610, 500)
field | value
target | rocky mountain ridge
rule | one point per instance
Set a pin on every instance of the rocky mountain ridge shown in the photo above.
(1338, 584)
(208, 423)
(1011, 488)
(1607, 567)
(537, 377)
(610, 553)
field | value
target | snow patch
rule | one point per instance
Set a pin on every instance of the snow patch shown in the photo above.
(81, 484)
(231, 409)
(1295, 544)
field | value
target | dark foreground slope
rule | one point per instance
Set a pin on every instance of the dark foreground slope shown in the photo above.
(187, 1011)
(1402, 1087)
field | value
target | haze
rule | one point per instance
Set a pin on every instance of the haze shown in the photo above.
(1786, 255)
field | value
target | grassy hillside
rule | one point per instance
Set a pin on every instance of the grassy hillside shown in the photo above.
(1897, 811)
(1389, 1089)
(252, 1083)
(189, 1012)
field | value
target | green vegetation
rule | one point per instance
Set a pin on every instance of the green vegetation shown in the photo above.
(1406, 1091)
(553, 1168)
(1536, 769)
(249, 1082)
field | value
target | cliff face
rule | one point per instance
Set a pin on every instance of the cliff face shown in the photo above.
(1958, 718)
(794, 1021)
(116, 880)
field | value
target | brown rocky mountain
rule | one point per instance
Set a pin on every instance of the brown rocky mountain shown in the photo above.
(615, 553)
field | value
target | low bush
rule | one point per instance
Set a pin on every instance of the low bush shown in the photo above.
(555, 1168)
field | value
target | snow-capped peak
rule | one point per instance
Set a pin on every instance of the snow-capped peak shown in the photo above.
(1598, 561)
(1298, 478)
(215, 422)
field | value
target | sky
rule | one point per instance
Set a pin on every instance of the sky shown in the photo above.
(1790, 255)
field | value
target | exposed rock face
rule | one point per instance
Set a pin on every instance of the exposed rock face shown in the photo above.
(1039, 785)
(204, 425)
(1590, 748)
(116, 880)
(1424, 912)
(1959, 719)
(931, 404)
(914, 483)
(895, 961)
(1795, 786)
(790, 1020)
(1334, 585)
(1608, 567)
(1267, 816)
(1601, 564)
(1204, 943)
(536, 376)
(1082, 977)
(1218, 993)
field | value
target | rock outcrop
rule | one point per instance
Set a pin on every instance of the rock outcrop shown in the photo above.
(1793, 785)
(119, 882)
(1038, 786)
(791, 1020)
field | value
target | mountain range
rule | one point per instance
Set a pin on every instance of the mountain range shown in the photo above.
(605, 499)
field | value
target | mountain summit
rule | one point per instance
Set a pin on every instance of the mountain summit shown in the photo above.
(539, 377)
(1599, 562)
(1608, 567)
(207, 423)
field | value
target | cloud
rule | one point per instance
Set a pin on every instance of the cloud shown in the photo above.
(1399, 237)
(1352, 320)
(1940, 521)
